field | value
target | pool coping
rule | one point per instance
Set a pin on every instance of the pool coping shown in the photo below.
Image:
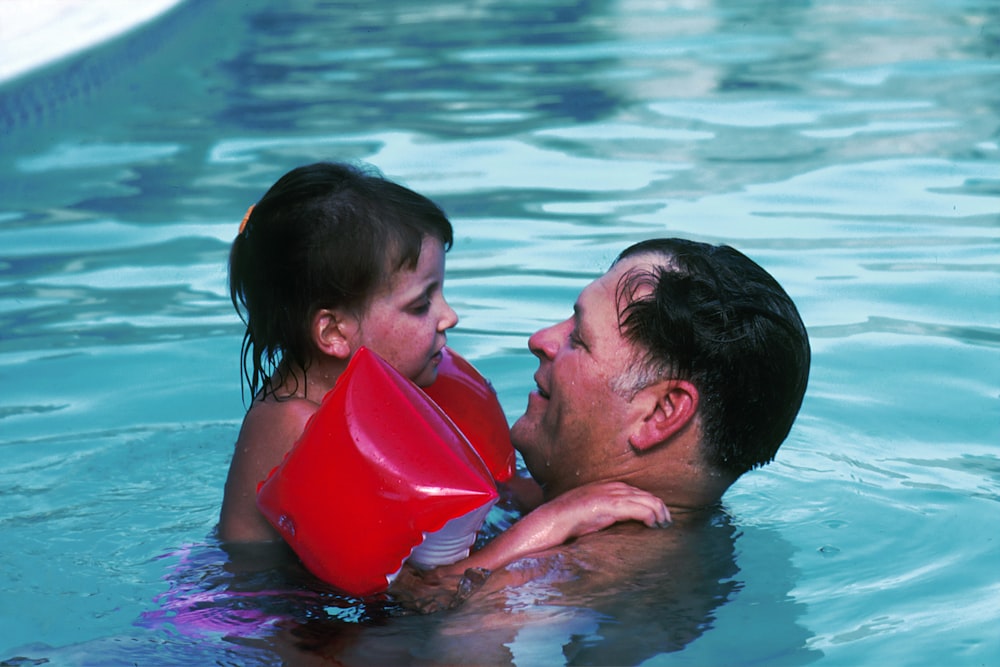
(38, 33)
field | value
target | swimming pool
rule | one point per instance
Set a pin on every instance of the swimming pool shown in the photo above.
(850, 148)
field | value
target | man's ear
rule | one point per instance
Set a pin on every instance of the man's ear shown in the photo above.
(666, 408)
(332, 332)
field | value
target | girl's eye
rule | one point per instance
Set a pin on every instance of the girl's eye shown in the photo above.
(421, 307)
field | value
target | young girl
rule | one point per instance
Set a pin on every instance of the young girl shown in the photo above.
(332, 258)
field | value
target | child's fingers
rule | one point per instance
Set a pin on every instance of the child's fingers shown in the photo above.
(658, 516)
(634, 503)
(652, 512)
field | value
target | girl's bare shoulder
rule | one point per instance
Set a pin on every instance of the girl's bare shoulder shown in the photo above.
(277, 423)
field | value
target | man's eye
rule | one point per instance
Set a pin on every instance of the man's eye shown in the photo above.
(575, 340)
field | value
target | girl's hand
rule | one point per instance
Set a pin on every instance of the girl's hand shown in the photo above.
(587, 509)
(577, 512)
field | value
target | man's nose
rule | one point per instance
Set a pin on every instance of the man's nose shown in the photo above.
(544, 343)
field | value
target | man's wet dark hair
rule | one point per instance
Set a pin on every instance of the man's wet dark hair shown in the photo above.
(711, 316)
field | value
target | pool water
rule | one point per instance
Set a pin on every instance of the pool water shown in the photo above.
(852, 148)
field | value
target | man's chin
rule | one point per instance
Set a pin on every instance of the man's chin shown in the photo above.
(520, 433)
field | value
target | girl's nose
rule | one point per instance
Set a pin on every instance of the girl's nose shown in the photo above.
(449, 318)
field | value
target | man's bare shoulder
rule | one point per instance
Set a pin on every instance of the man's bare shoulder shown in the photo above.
(656, 585)
(588, 563)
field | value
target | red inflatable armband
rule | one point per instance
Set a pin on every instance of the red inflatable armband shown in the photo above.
(472, 404)
(378, 468)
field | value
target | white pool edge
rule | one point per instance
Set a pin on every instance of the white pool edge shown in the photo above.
(36, 33)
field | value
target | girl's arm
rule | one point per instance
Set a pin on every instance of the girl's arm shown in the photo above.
(577, 512)
(269, 431)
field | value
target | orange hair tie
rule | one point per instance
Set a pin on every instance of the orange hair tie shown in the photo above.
(243, 224)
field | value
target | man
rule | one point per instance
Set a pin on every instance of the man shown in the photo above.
(681, 368)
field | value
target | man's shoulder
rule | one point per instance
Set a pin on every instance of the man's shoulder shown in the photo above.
(607, 554)
(623, 553)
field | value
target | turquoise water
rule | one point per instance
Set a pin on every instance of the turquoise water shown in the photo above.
(852, 148)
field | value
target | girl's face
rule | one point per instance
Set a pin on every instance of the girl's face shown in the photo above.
(406, 321)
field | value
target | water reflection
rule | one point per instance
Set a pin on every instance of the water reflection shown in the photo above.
(620, 608)
(658, 593)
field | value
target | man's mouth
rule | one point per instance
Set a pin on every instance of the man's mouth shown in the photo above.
(541, 392)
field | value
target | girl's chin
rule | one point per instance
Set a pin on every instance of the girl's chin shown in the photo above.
(427, 378)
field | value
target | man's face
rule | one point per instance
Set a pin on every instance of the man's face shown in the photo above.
(575, 428)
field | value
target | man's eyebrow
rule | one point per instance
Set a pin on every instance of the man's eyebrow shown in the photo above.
(578, 326)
